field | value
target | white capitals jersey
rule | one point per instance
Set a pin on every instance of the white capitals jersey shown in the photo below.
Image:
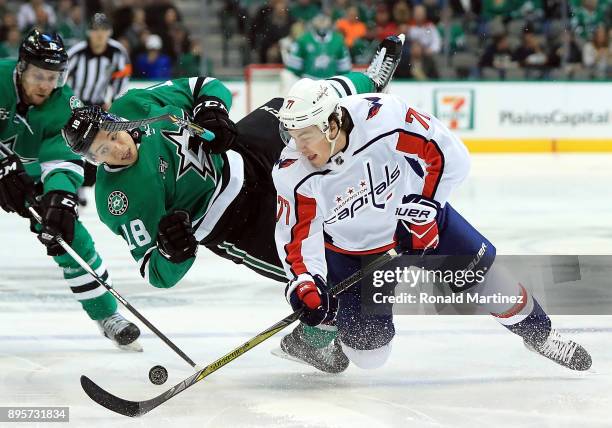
(349, 204)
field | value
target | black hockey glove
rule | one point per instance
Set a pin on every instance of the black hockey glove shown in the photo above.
(211, 113)
(16, 186)
(175, 237)
(310, 293)
(59, 214)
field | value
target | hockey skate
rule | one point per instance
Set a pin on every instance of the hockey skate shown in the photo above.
(122, 332)
(562, 351)
(385, 61)
(329, 359)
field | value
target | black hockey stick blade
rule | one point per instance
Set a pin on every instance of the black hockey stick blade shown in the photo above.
(108, 400)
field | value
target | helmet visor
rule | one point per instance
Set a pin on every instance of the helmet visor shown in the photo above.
(297, 139)
(36, 76)
(99, 148)
(102, 141)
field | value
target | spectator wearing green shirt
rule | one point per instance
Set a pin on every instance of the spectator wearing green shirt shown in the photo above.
(338, 9)
(367, 11)
(319, 53)
(456, 35)
(71, 27)
(189, 63)
(494, 8)
(587, 17)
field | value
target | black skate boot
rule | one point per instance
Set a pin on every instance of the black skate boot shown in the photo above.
(562, 351)
(385, 61)
(121, 331)
(329, 359)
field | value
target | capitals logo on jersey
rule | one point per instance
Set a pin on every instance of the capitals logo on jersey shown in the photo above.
(369, 192)
(375, 106)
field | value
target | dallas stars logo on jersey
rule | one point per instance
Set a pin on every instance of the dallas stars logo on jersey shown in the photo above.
(200, 162)
(117, 203)
(75, 103)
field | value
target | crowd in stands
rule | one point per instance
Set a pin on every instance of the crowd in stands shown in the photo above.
(152, 32)
(490, 39)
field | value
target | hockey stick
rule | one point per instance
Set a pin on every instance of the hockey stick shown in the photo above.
(139, 408)
(7, 152)
(192, 128)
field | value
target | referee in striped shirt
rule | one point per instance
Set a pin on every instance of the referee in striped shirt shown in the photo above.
(99, 68)
(99, 71)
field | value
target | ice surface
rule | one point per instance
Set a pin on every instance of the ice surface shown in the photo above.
(444, 371)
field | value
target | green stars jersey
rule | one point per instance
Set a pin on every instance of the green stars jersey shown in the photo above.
(170, 174)
(35, 134)
(319, 57)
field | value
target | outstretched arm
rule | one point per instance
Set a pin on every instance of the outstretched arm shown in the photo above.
(181, 93)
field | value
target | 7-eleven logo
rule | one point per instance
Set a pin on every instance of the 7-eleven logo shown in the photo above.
(456, 102)
(455, 107)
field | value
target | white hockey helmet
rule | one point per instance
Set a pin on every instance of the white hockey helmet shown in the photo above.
(309, 102)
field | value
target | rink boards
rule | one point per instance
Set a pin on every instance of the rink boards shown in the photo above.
(490, 117)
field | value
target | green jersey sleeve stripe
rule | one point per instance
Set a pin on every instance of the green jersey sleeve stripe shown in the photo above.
(251, 260)
(52, 166)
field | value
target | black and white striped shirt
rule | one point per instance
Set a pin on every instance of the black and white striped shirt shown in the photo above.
(98, 79)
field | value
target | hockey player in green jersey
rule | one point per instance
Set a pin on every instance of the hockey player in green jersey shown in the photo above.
(42, 171)
(166, 192)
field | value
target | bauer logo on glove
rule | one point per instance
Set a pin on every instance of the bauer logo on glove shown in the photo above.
(417, 228)
(418, 210)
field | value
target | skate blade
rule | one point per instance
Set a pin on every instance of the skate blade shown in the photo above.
(131, 347)
(278, 352)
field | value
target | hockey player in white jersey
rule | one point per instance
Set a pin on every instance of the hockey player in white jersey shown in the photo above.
(367, 173)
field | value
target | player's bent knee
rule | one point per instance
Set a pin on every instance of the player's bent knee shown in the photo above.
(368, 358)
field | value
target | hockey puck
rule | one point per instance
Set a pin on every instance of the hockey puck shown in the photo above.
(158, 375)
